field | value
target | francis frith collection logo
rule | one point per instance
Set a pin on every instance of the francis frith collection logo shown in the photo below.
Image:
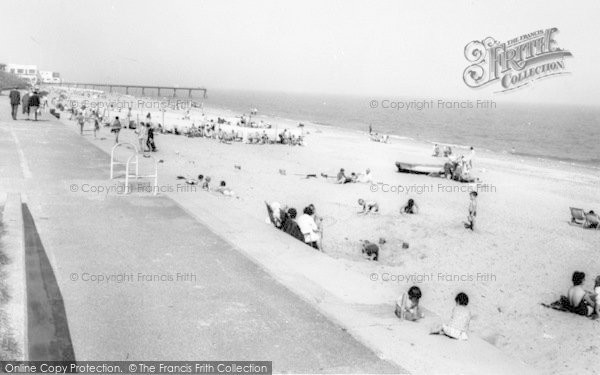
(515, 63)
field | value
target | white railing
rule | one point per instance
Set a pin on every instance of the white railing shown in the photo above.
(114, 162)
(137, 175)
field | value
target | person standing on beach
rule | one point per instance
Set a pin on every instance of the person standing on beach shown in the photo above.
(96, 123)
(470, 224)
(141, 133)
(150, 138)
(25, 104)
(471, 157)
(34, 104)
(15, 100)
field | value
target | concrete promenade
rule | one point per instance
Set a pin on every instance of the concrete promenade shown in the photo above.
(141, 279)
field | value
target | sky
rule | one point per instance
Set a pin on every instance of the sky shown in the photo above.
(408, 49)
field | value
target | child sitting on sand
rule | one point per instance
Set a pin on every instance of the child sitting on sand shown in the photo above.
(341, 177)
(371, 249)
(223, 189)
(368, 207)
(470, 224)
(410, 207)
(458, 327)
(205, 184)
(407, 306)
(366, 177)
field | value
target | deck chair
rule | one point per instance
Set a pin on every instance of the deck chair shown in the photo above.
(271, 215)
(592, 221)
(577, 216)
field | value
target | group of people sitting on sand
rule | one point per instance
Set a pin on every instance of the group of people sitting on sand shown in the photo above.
(213, 130)
(438, 153)
(372, 207)
(204, 183)
(459, 168)
(579, 300)
(308, 227)
(342, 178)
(407, 308)
(383, 138)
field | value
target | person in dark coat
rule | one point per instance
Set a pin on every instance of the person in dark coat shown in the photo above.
(290, 226)
(25, 103)
(34, 104)
(15, 100)
(150, 138)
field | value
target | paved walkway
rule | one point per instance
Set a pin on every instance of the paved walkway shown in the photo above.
(171, 288)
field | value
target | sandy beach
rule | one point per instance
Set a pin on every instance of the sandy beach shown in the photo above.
(521, 254)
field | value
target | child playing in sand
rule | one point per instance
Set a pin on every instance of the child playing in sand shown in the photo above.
(372, 249)
(223, 189)
(367, 177)
(470, 224)
(407, 306)
(458, 327)
(206, 183)
(368, 207)
(410, 207)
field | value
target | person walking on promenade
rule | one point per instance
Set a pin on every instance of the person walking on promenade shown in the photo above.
(25, 104)
(15, 100)
(34, 104)
(116, 128)
(150, 138)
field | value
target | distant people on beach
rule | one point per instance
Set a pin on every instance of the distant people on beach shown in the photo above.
(447, 151)
(436, 150)
(383, 138)
(470, 224)
(458, 326)
(368, 207)
(15, 100)
(410, 207)
(407, 306)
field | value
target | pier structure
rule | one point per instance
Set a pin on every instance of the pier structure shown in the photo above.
(159, 89)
